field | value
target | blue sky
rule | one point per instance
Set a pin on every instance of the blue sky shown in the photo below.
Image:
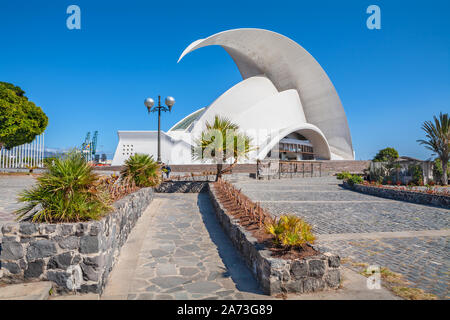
(96, 78)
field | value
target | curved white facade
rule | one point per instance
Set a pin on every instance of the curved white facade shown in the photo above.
(284, 90)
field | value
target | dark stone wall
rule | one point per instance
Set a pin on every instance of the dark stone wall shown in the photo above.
(182, 187)
(403, 195)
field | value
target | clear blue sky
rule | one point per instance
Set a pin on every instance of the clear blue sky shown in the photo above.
(96, 78)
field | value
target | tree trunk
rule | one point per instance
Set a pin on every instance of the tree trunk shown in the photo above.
(444, 171)
(219, 171)
(230, 167)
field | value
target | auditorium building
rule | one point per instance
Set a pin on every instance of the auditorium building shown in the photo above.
(285, 102)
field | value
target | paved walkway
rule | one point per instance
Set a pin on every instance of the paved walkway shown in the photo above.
(407, 238)
(10, 187)
(179, 251)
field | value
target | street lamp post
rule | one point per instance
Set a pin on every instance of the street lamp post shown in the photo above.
(170, 101)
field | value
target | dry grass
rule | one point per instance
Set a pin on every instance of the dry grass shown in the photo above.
(413, 293)
(393, 281)
(392, 277)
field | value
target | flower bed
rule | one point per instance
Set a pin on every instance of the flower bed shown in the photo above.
(277, 272)
(74, 256)
(421, 195)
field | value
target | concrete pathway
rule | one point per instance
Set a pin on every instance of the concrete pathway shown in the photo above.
(179, 251)
(10, 187)
(410, 239)
(26, 291)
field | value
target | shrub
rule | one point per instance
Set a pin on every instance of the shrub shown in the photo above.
(343, 175)
(141, 170)
(69, 191)
(437, 169)
(386, 155)
(290, 231)
(355, 179)
(416, 172)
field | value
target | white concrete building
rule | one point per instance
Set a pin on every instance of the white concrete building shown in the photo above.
(285, 102)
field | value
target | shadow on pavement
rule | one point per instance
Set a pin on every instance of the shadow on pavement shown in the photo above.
(236, 267)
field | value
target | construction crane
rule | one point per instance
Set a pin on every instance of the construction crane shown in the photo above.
(89, 147)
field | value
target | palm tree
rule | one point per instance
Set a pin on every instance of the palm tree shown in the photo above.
(68, 191)
(438, 139)
(141, 170)
(219, 142)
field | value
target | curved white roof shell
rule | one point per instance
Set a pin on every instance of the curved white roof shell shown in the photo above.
(284, 89)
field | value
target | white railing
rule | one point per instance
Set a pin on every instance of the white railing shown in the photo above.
(24, 156)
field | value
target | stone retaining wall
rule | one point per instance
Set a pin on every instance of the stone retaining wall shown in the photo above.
(182, 187)
(275, 276)
(403, 195)
(75, 256)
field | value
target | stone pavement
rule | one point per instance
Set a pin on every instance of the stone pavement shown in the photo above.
(179, 251)
(407, 238)
(183, 254)
(10, 187)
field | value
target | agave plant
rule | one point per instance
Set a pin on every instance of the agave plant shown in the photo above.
(67, 192)
(141, 170)
(221, 141)
(438, 140)
(290, 231)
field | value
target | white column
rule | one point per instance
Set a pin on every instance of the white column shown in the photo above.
(14, 157)
(28, 153)
(43, 148)
(19, 160)
(40, 151)
(32, 153)
(38, 142)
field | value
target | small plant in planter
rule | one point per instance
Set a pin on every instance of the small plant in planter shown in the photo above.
(290, 231)
(355, 179)
(343, 175)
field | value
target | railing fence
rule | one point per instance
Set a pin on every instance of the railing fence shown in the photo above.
(28, 155)
(287, 169)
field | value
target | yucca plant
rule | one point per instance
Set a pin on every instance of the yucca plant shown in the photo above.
(438, 140)
(141, 170)
(67, 192)
(290, 231)
(221, 141)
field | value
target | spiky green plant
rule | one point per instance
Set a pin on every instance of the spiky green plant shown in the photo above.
(354, 179)
(438, 140)
(141, 170)
(290, 231)
(343, 175)
(67, 192)
(221, 141)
